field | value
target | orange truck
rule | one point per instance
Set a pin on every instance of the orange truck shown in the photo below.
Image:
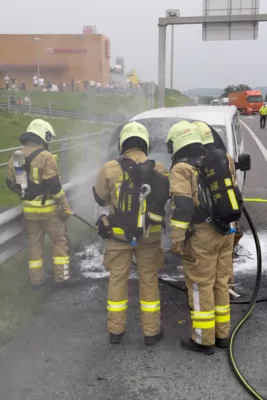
(247, 102)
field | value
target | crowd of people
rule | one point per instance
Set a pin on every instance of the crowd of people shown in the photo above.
(38, 82)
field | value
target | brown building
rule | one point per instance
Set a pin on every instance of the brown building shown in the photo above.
(61, 58)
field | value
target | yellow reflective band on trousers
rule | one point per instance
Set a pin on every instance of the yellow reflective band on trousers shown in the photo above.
(35, 264)
(222, 314)
(222, 309)
(150, 306)
(117, 306)
(61, 260)
(232, 198)
(203, 324)
(203, 319)
(222, 318)
(179, 224)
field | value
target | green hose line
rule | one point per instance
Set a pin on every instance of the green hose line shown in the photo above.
(252, 303)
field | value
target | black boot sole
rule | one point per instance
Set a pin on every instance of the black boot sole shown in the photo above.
(191, 346)
(153, 340)
(115, 339)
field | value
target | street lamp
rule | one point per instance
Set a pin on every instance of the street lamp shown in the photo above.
(170, 14)
(38, 59)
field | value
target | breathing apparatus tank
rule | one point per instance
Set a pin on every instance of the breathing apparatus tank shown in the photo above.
(20, 171)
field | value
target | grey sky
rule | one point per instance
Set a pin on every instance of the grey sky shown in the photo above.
(131, 26)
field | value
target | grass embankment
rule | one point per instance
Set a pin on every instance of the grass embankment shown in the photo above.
(17, 298)
(12, 126)
(85, 102)
(174, 98)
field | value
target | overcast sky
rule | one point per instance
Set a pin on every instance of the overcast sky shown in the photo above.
(131, 26)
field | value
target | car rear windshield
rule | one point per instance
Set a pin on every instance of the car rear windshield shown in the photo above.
(158, 129)
(255, 99)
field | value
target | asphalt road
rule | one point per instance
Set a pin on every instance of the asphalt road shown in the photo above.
(63, 352)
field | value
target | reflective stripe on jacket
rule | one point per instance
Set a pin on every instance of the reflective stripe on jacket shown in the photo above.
(43, 168)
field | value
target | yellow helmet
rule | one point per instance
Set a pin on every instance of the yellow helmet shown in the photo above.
(42, 129)
(180, 135)
(206, 133)
(134, 129)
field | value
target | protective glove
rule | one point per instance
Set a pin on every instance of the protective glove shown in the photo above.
(177, 248)
(65, 211)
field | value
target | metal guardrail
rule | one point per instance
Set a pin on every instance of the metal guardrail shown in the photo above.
(48, 112)
(68, 140)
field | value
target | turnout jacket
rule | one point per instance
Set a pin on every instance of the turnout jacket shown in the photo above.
(109, 180)
(45, 180)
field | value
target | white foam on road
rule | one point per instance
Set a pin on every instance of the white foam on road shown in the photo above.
(245, 260)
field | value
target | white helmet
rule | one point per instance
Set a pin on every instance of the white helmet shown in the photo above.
(42, 129)
(134, 129)
(180, 135)
(205, 131)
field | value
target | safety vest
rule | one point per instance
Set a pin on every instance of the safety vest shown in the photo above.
(263, 111)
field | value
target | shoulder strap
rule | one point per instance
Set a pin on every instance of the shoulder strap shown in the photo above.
(31, 157)
(196, 162)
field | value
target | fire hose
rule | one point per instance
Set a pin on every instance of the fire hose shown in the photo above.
(251, 304)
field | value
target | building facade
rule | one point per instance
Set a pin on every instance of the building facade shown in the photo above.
(58, 58)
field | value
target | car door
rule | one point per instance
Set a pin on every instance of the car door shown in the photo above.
(238, 145)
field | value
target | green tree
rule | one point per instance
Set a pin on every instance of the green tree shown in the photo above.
(234, 88)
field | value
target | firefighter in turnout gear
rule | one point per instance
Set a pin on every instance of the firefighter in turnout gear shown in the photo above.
(206, 252)
(136, 190)
(208, 143)
(33, 174)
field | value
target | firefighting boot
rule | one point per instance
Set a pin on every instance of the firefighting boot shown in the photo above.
(152, 340)
(115, 338)
(222, 343)
(190, 345)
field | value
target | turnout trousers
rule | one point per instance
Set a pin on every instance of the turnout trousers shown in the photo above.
(208, 259)
(149, 259)
(55, 228)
